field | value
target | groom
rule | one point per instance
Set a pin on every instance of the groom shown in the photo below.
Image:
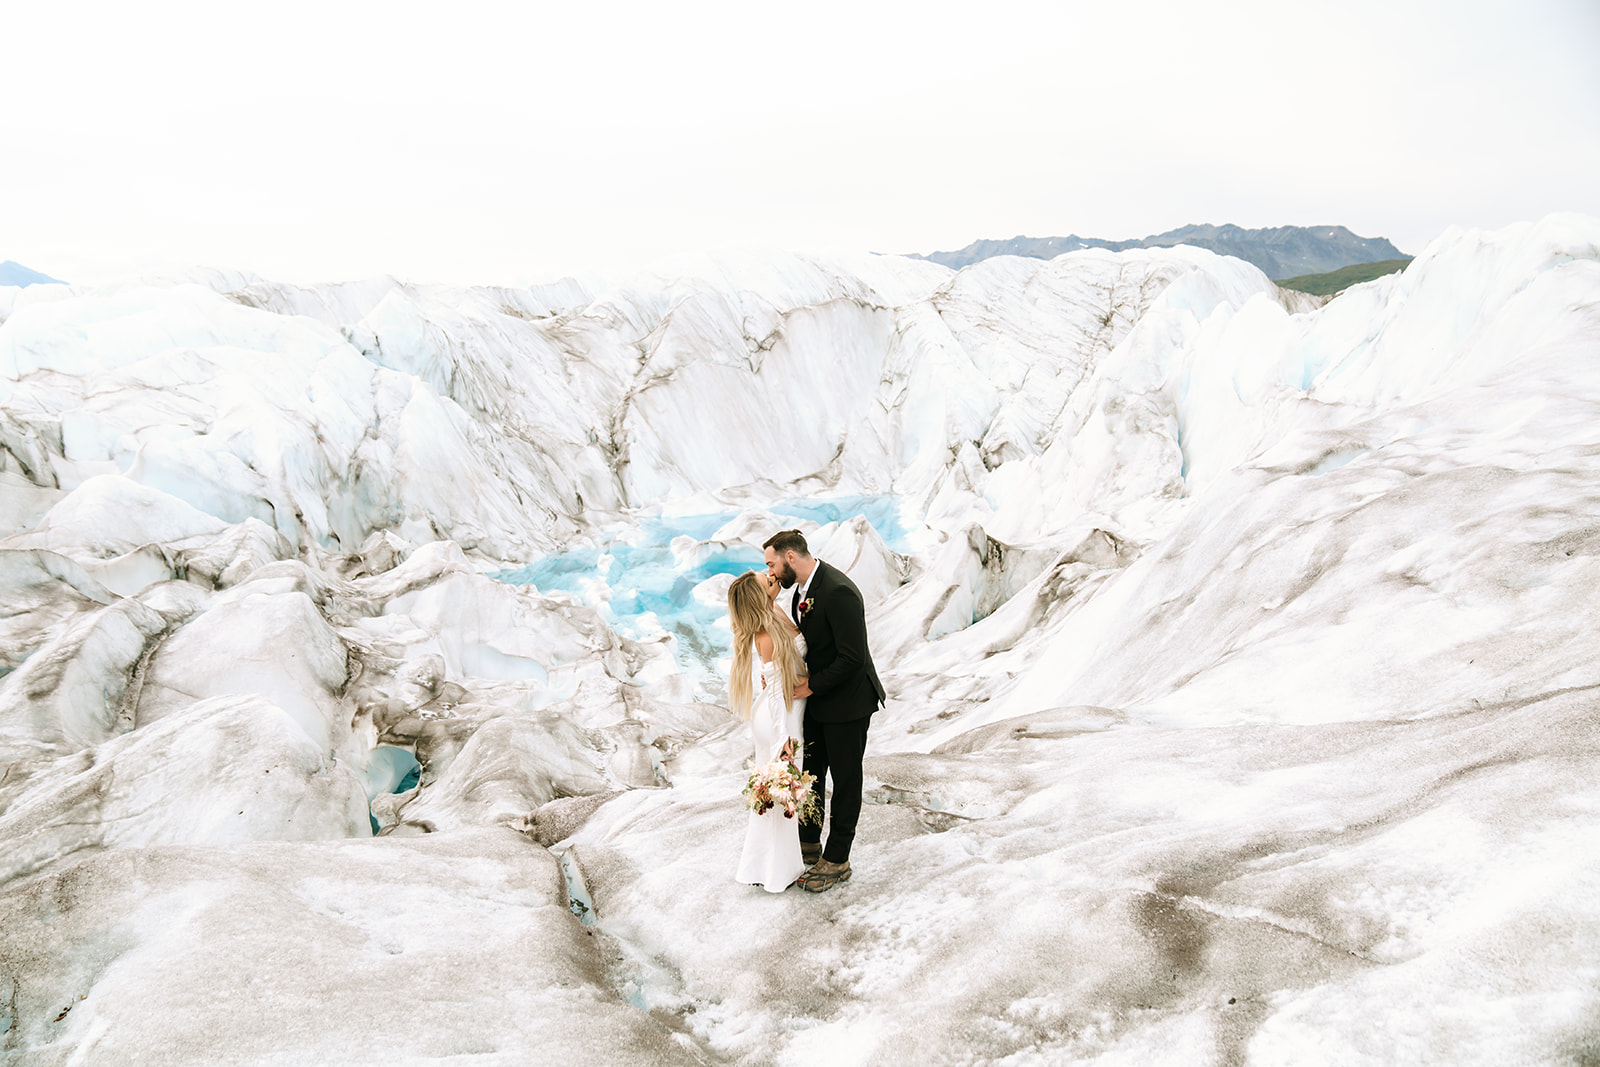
(841, 694)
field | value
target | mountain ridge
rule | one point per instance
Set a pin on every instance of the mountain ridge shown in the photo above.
(14, 273)
(1279, 252)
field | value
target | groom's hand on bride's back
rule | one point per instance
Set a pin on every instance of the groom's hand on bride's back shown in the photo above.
(802, 688)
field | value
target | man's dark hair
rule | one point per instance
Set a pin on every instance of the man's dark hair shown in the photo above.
(787, 541)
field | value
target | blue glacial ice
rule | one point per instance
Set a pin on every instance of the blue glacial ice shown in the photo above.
(643, 587)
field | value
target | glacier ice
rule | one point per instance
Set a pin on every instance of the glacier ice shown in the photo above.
(1239, 647)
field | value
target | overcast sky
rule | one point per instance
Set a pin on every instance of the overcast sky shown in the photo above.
(517, 142)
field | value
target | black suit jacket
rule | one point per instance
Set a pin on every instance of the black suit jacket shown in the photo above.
(844, 683)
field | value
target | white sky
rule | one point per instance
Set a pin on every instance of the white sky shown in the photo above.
(516, 142)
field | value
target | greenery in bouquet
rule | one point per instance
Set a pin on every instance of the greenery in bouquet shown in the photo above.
(782, 784)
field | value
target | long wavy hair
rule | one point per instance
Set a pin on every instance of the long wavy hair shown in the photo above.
(750, 613)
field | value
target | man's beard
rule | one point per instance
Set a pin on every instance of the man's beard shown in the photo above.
(786, 575)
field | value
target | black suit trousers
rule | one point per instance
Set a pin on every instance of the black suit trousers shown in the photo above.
(836, 748)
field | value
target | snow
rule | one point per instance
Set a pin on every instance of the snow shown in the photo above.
(1240, 657)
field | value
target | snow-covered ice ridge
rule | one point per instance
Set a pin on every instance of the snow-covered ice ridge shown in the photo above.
(1241, 653)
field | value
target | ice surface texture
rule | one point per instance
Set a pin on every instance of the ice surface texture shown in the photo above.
(1241, 659)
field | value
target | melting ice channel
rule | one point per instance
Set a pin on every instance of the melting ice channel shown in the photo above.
(643, 587)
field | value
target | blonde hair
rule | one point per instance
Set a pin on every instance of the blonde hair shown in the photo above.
(750, 613)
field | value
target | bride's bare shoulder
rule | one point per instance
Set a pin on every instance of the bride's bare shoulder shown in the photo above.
(764, 646)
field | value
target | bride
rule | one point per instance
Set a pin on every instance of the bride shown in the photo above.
(768, 658)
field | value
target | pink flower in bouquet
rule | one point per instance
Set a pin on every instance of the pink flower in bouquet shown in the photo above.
(782, 783)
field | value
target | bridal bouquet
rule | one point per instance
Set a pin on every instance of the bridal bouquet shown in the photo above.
(782, 784)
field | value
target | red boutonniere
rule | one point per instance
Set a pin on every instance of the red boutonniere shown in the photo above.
(805, 605)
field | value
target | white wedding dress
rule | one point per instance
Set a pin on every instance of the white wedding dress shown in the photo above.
(771, 856)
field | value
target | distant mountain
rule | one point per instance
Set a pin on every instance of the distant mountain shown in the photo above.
(13, 273)
(1282, 252)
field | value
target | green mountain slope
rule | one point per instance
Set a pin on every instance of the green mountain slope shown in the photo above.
(1334, 281)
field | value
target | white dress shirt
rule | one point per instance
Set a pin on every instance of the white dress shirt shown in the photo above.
(800, 592)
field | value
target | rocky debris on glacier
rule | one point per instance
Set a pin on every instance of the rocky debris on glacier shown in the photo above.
(1240, 657)
(392, 950)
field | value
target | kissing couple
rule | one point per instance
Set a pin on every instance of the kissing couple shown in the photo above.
(801, 670)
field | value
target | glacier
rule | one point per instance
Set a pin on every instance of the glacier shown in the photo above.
(364, 662)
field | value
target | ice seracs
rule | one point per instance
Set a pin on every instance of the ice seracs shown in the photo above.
(1239, 649)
